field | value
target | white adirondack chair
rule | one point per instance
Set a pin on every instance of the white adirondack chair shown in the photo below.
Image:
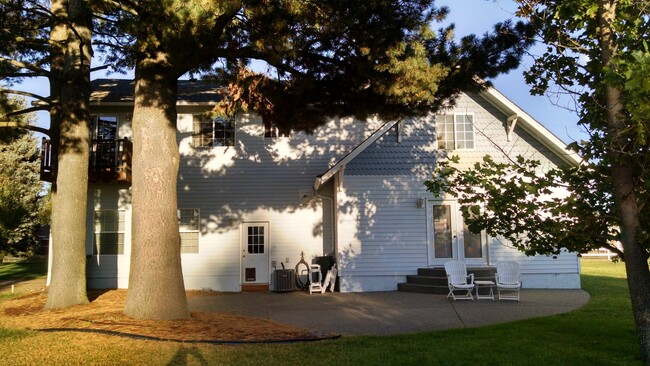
(458, 280)
(508, 281)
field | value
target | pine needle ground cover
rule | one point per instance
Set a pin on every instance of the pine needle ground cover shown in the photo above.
(601, 333)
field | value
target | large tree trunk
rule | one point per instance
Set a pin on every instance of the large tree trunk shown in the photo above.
(70, 86)
(156, 289)
(624, 178)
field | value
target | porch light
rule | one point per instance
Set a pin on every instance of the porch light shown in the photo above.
(421, 202)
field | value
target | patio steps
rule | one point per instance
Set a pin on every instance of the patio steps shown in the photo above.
(434, 280)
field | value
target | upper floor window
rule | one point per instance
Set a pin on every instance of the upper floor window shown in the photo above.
(188, 224)
(103, 127)
(272, 130)
(213, 131)
(455, 131)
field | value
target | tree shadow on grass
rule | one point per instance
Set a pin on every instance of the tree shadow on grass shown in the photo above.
(182, 357)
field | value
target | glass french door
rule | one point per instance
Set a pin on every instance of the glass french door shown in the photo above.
(449, 238)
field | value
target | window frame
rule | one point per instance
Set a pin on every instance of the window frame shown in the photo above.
(97, 247)
(216, 137)
(272, 131)
(444, 133)
(182, 229)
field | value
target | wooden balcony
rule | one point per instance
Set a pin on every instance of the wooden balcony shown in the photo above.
(110, 161)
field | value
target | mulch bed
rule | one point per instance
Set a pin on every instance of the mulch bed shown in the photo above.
(104, 315)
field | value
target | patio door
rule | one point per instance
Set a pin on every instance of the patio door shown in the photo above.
(255, 255)
(449, 238)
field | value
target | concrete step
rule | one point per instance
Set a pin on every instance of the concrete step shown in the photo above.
(434, 280)
(425, 289)
(427, 280)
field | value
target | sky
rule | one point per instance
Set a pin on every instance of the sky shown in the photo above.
(478, 17)
(469, 16)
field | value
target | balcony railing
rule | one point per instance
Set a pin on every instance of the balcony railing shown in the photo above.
(110, 161)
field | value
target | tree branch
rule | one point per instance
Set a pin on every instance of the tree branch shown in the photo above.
(22, 65)
(12, 124)
(29, 110)
(99, 68)
(26, 94)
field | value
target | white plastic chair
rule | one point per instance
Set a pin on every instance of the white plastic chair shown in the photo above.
(457, 280)
(508, 281)
(315, 278)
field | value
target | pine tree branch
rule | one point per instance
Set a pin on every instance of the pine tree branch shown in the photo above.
(26, 94)
(24, 65)
(36, 108)
(13, 124)
(99, 68)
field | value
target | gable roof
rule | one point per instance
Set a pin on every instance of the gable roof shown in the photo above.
(353, 154)
(514, 115)
(121, 92)
(531, 125)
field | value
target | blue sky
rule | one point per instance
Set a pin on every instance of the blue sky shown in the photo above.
(478, 17)
(469, 16)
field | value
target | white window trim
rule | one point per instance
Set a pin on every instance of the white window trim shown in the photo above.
(123, 232)
(273, 131)
(197, 230)
(454, 132)
(203, 119)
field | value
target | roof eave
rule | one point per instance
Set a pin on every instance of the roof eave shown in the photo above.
(532, 126)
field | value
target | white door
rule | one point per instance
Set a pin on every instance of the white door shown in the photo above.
(449, 238)
(255, 253)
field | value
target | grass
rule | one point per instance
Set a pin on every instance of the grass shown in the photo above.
(601, 333)
(23, 270)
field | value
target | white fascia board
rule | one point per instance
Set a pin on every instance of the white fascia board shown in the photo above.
(532, 126)
(320, 180)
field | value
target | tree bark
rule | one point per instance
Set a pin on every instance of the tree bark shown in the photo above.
(624, 179)
(156, 288)
(70, 85)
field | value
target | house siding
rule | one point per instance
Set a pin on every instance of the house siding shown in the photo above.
(383, 235)
(257, 181)
(367, 215)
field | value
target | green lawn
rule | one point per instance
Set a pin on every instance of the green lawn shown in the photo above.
(23, 270)
(601, 333)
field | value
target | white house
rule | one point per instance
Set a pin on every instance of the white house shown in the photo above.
(252, 199)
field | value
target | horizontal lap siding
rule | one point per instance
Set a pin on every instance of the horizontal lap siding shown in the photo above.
(390, 238)
(539, 264)
(388, 177)
(259, 180)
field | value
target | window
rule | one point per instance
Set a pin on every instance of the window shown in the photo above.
(109, 232)
(188, 223)
(255, 240)
(272, 130)
(213, 132)
(455, 132)
(103, 127)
